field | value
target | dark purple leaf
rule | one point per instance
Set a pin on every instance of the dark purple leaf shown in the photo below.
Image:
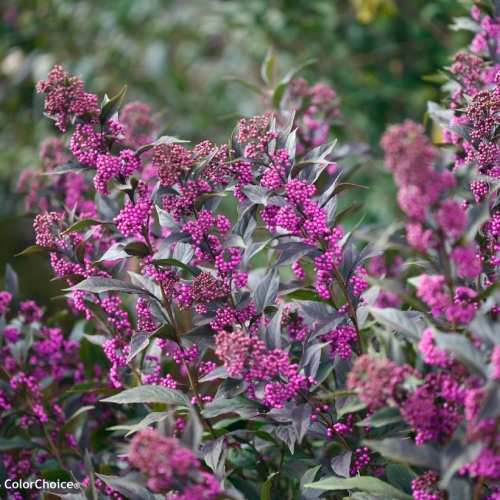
(342, 463)
(288, 435)
(202, 335)
(139, 342)
(100, 285)
(266, 291)
(301, 420)
(130, 487)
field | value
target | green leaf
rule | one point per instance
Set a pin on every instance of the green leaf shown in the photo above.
(166, 139)
(266, 488)
(77, 413)
(15, 443)
(406, 452)
(279, 90)
(156, 416)
(366, 484)
(34, 249)
(136, 249)
(84, 223)
(400, 477)
(398, 320)
(177, 263)
(345, 186)
(267, 68)
(150, 394)
(110, 106)
(248, 85)
(384, 416)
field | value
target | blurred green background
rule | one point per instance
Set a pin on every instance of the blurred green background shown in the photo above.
(174, 56)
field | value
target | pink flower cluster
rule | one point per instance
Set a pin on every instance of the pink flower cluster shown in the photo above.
(247, 358)
(168, 466)
(66, 99)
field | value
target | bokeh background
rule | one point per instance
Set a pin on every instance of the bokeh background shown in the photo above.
(176, 55)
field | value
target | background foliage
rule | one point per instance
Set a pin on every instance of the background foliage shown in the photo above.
(175, 56)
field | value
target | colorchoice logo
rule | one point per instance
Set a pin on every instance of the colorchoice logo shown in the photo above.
(40, 484)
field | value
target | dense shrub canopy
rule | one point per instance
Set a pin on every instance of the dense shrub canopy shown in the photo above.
(228, 334)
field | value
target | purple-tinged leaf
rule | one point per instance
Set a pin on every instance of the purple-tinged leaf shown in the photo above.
(162, 140)
(344, 186)
(230, 388)
(348, 404)
(342, 463)
(219, 372)
(301, 420)
(288, 435)
(491, 408)
(309, 476)
(463, 351)
(455, 456)
(292, 252)
(202, 335)
(363, 483)
(326, 325)
(167, 221)
(246, 225)
(151, 418)
(311, 357)
(12, 282)
(487, 331)
(234, 240)
(244, 407)
(273, 330)
(191, 437)
(139, 342)
(266, 291)
(128, 486)
(99, 340)
(317, 310)
(407, 452)
(398, 320)
(212, 452)
(331, 211)
(258, 195)
(71, 166)
(100, 285)
(114, 252)
(460, 488)
(150, 394)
